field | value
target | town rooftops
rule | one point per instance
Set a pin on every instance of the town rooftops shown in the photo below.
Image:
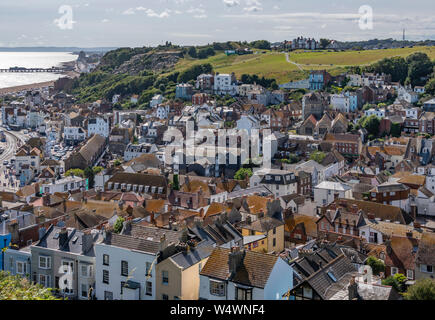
(330, 185)
(390, 187)
(133, 243)
(254, 269)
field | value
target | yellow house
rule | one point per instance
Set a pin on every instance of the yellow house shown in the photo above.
(177, 277)
(272, 228)
(256, 243)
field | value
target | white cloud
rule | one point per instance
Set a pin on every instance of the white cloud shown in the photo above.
(129, 11)
(253, 9)
(190, 35)
(231, 3)
(105, 20)
(149, 12)
(198, 13)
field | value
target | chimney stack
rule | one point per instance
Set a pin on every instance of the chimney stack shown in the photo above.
(163, 242)
(63, 237)
(353, 289)
(87, 241)
(235, 259)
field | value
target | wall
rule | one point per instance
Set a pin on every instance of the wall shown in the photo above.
(280, 281)
(136, 266)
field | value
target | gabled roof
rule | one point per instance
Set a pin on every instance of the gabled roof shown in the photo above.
(254, 270)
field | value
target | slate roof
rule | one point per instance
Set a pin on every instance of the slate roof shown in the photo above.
(264, 224)
(426, 249)
(254, 270)
(187, 259)
(133, 243)
(321, 282)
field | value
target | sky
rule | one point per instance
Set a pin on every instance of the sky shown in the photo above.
(136, 23)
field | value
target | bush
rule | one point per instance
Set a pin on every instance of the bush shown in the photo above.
(423, 289)
(18, 288)
(318, 156)
(376, 264)
(242, 173)
(118, 225)
(397, 281)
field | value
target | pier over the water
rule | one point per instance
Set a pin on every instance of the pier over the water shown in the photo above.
(32, 70)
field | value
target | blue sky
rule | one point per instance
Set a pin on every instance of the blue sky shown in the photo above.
(151, 22)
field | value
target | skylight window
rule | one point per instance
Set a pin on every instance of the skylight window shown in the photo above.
(331, 275)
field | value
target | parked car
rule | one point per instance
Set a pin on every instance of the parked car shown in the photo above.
(5, 163)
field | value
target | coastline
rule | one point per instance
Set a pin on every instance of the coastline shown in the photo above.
(32, 86)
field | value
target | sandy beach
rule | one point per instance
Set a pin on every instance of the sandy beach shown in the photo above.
(26, 87)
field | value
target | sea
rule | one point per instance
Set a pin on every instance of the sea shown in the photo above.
(31, 60)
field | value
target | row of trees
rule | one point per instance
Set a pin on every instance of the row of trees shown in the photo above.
(411, 70)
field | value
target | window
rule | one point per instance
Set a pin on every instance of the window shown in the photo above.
(274, 242)
(21, 267)
(426, 268)
(108, 295)
(105, 259)
(84, 290)
(106, 276)
(124, 268)
(394, 270)
(44, 280)
(148, 271)
(410, 274)
(217, 288)
(243, 294)
(149, 288)
(66, 264)
(86, 270)
(122, 286)
(165, 297)
(165, 277)
(44, 262)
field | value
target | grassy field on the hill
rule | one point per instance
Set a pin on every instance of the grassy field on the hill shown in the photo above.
(274, 64)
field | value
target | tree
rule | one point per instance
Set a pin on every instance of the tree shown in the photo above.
(376, 264)
(90, 175)
(242, 173)
(324, 43)
(419, 66)
(318, 156)
(75, 172)
(97, 169)
(118, 225)
(397, 281)
(396, 66)
(423, 289)
(176, 182)
(396, 129)
(430, 87)
(192, 52)
(371, 124)
(293, 158)
(117, 163)
(18, 288)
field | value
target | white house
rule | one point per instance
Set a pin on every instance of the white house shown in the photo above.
(162, 112)
(248, 123)
(156, 100)
(280, 182)
(340, 102)
(99, 125)
(66, 184)
(324, 192)
(235, 274)
(126, 268)
(135, 150)
(73, 135)
(407, 95)
(225, 84)
(380, 113)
